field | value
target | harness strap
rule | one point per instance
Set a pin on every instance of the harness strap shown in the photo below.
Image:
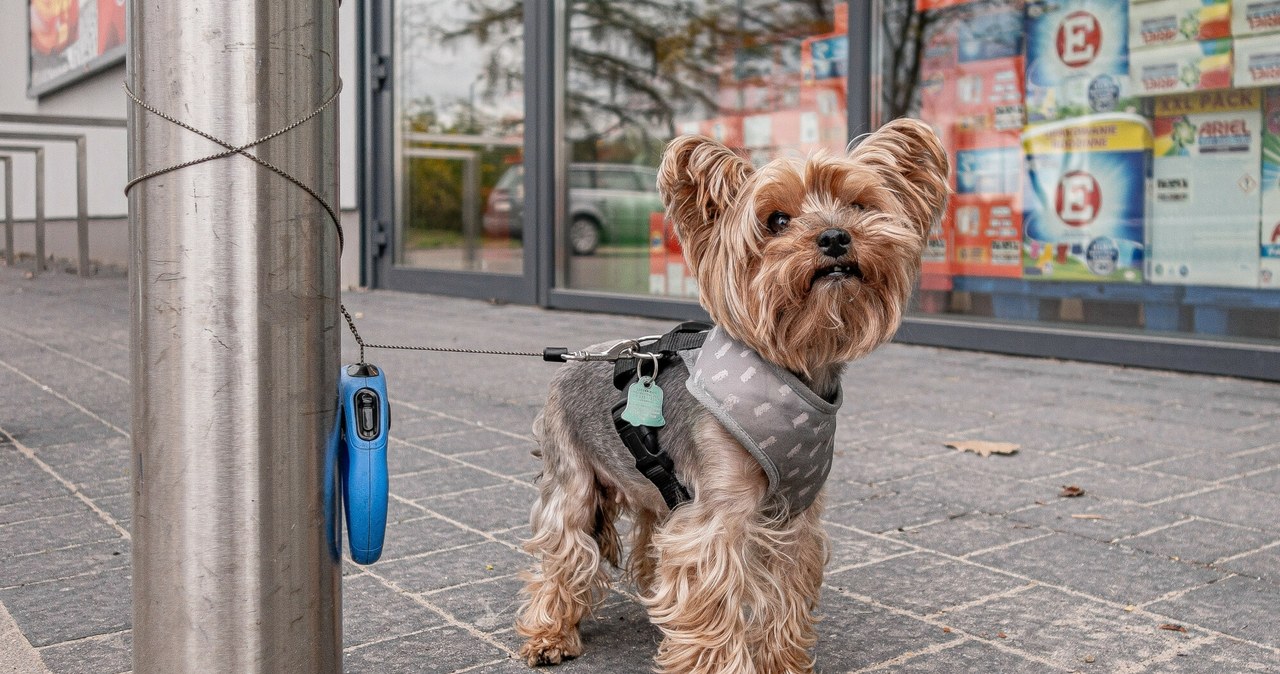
(687, 335)
(642, 441)
(655, 464)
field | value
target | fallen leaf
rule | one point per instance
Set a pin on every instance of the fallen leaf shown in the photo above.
(982, 447)
(1087, 516)
(488, 567)
(1070, 491)
(1130, 608)
(1002, 635)
(947, 630)
(1173, 628)
(1089, 659)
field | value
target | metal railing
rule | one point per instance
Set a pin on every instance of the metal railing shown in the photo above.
(6, 152)
(82, 192)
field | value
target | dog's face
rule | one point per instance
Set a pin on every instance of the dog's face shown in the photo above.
(809, 263)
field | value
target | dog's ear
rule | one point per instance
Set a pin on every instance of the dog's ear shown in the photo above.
(914, 164)
(698, 180)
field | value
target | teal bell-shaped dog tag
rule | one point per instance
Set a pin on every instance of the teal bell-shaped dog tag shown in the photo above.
(644, 404)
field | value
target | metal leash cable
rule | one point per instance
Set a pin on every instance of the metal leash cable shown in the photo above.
(555, 353)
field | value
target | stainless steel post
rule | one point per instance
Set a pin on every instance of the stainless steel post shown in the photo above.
(234, 276)
(9, 258)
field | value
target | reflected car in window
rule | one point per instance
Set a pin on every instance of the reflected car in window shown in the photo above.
(609, 205)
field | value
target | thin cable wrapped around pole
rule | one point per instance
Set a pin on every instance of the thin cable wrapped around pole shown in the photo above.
(236, 336)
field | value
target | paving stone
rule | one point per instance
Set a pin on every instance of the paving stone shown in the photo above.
(1131, 577)
(1233, 504)
(74, 608)
(1200, 541)
(488, 606)
(1267, 481)
(1264, 564)
(371, 611)
(922, 583)
(485, 561)
(52, 564)
(1237, 606)
(1100, 519)
(492, 509)
(853, 634)
(1137, 485)
(1221, 656)
(1129, 451)
(442, 649)
(51, 533)
(892, 511)
(119, 506)
(1036, 438)
(452, 479)
(618, 638)
(106, 654)
(980, 491)
(419, 426)
(969, 533)
(1066, 629)
(1215, 466)
(974, 656)
(1026, 464)
(404, 458)
(41, 508)
(514, 460)
(475, 440)
(23, 481)
(848, 547)
(918, 444)
(424, 534)
(1196, 437)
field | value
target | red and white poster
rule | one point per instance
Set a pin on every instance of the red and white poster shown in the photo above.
(70, 39)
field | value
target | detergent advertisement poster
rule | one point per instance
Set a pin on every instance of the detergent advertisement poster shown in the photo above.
(1084, 199)
(1077, 60)
(1207, 185)
(71, 39)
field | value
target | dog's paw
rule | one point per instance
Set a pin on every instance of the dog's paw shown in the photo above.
(542, 651)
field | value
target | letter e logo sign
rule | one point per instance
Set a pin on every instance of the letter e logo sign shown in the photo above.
(1078, 199)
(1079, 39)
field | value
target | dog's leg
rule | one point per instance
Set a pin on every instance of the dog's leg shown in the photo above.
(709, 573)
(642, 559)
(782, 629)
(569, 515)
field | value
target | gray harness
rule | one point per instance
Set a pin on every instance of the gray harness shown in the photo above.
(787, 427)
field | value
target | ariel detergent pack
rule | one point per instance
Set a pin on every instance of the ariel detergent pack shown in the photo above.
(1269, 276)
(1084, 203)
(1206, 198)
(1077, 58)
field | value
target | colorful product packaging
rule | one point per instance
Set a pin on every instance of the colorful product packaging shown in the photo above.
(1163, 22)
(1077, 59)
(1269, 236)
(989, 30)
(1257, 61)
(1084, 198)
(668, 272)
(1250, 17)
(988, 163)
(988, 95)
(1206, 189)
(987, 234)
(1188, 66)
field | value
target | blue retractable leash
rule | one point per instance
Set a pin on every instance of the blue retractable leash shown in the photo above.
(362, 458)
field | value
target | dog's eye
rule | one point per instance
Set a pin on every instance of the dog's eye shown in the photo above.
(857, 206)
(778, 221)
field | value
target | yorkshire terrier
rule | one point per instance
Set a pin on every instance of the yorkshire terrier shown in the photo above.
(803, 266)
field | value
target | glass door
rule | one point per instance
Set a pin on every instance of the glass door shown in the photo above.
(458, 127)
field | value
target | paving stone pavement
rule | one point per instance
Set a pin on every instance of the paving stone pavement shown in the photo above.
(942, 562)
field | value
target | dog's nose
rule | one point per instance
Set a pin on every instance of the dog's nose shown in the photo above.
(834, 242)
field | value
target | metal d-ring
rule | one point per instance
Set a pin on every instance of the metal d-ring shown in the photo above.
(640, 359)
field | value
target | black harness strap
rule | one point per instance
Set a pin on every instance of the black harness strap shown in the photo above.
(642, 441)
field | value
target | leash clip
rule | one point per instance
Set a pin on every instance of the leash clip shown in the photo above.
(623, 349)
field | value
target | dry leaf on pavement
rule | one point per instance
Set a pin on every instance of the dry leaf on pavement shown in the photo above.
(1071, 490)
(1173, 628)
(983, 447)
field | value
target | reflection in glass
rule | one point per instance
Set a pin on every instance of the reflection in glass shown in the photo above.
(460, 127)
(766, 78)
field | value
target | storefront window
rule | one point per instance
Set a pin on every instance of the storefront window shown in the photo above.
(766, 78)
(1115, 163)
(460, 127)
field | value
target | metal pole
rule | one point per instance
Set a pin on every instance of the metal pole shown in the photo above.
(9, 258)
(234, 276)
(82, 206)
(38, 151)
(82, 193)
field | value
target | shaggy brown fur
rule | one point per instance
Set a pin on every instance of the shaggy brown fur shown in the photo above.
(730, 579)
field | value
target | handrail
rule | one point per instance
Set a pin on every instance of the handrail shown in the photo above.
(82, 189)
(38, 150)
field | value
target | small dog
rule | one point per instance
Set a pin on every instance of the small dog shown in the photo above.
(803, 266)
